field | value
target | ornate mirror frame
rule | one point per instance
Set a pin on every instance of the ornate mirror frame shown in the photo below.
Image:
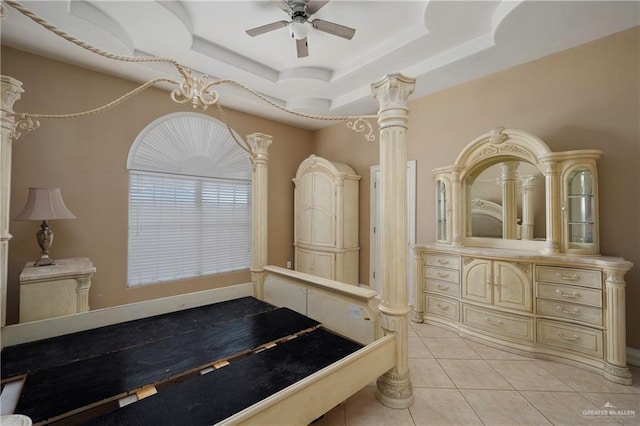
(453, 202)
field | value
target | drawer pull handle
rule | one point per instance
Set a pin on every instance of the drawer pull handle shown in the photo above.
(443, 287)
(572, 277)
(443, 274)
(443, 307)
(569, 338)
(443, 261)
(492, 322)
(571, 295)
(574, 311)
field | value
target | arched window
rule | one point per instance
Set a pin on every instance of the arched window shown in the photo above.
(189, 201)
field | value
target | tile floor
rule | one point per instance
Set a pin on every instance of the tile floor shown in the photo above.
(459, 382)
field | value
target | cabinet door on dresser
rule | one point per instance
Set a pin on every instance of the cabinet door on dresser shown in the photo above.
(498, 283)
(476, 280)
(512, 285)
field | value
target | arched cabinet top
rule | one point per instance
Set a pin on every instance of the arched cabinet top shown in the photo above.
(334, 168)
(501, 142)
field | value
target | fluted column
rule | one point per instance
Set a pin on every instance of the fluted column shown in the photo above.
(418, 272)
(82, 291)
(456, 209)
(528, 224)
(555, 212)
(616, 368)
(394, 387)
(509, 180)
(259, 144)
(11, 90)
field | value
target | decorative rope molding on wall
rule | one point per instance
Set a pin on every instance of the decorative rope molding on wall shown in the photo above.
(196, 91)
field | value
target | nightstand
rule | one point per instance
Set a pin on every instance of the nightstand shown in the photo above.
(55, 290)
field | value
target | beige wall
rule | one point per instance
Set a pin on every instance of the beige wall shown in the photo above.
(86, 158)
(584, 98)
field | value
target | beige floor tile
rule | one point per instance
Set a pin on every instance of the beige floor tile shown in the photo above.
(499, 407)
(562, 408)
(582, 380)
(412, 331)
(449, 348)
(441, 407)
(487, 352)
(527, 375)
(623, 408)
(335, 417)
(364, 409)
(428, 330)
(417, 349)
(427, 373)
(635, 373)
(473, 374)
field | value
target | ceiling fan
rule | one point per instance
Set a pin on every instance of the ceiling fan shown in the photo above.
(299, 12)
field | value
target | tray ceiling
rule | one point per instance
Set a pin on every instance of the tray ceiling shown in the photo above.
(441, 43)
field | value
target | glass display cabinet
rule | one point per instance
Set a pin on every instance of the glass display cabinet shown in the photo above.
(580, 210)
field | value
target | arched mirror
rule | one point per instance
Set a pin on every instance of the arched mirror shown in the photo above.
(506, 200)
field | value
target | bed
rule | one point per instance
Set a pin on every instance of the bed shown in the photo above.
(239, 361)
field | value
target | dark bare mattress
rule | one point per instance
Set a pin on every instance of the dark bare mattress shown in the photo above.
(78, 378)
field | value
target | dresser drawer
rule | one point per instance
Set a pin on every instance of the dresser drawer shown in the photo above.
(443, 261)
(574, 294)
(582, 277)
(571, 311)
(499, 323)
(443, 307)
(450, 275)
(443, 287)
(570, 337)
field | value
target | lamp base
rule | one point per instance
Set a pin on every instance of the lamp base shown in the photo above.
(45, 260)
(45, 239)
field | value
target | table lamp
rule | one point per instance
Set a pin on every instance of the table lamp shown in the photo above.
(44, 204)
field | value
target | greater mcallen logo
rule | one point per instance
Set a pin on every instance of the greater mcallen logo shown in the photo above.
(609, 410)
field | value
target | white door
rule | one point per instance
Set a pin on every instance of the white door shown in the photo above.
(375, 282)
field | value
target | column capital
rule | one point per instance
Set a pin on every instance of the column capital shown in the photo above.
(259, 143)
(393, 90)
(11, 91)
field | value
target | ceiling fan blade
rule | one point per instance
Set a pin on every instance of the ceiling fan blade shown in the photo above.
(266, 28)
(333, 28)
(315, 5)
(302, 48)
(282, 4)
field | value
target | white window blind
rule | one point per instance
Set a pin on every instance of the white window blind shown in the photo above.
(186, 226)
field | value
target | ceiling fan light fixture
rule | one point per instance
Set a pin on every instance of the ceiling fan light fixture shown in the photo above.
(299, 30)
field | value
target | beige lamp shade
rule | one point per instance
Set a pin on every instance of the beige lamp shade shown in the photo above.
(44, 204)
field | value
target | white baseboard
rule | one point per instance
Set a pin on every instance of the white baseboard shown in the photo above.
(633, 357)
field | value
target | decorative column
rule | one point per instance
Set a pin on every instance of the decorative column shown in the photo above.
(394, 387)
(456, 208)
(259, 144)
(418, 272)
(616, 368)
(509, 180)
(554, 212)
(11, 90)
(527, 207)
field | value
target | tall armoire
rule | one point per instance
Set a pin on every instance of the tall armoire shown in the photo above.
(326, 220)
